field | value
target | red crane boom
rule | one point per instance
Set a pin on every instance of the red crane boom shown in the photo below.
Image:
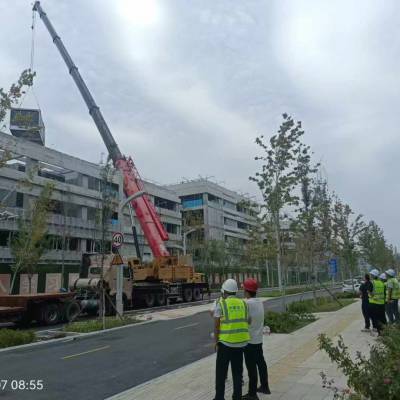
(150, 223)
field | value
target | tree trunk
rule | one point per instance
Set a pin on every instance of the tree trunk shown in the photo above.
(278, 253)
(29, 283)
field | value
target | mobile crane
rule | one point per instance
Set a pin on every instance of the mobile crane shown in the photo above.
(165, 278)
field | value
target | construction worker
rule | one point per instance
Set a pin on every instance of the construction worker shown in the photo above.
(231, 333)
(253, 352)
(392, 296)
(377, 301)
(365, 288)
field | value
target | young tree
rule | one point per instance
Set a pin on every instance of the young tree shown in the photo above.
(31, 242)
(374, 248)
(278, 178)
(108, 203)
(347, 230)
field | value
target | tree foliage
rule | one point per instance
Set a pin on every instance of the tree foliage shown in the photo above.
(31, 242)
(11, 97)
(278, 176)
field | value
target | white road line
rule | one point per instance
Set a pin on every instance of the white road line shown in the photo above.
(85, 352)
(186, 326)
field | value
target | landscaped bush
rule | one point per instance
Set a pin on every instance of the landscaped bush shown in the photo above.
(376, 377)
(323, 304)
(97, 324)
(346, 295)
(11, 337)
(286, 322)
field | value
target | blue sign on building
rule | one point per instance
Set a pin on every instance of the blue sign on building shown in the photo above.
(333, 267)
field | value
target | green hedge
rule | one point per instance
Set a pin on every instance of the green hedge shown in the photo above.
(97, 324)
(287, 322)
(11, 337)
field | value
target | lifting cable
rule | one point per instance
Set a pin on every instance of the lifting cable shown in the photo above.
(32, 61)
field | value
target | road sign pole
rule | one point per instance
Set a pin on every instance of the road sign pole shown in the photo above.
(117, 241)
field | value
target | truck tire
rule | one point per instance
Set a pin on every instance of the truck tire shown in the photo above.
(149, 299)
(71, 311)
(50, 314)
(187, 294)
(196, 294)
(161, 299)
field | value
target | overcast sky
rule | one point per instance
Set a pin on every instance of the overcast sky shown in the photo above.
(186, 86)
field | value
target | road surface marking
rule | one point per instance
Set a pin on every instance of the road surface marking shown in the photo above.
(85, 352)
(186, 326)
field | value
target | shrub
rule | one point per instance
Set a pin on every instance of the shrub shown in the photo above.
(323, 304)
(286, 322)
(11, 337)
(374, 378)
(97, 324)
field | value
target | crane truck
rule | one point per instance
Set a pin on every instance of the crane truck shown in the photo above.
(166, 278)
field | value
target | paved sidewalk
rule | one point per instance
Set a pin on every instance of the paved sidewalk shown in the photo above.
(294, 363)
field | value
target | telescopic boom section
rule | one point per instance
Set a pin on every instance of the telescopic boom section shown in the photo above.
(151, 225)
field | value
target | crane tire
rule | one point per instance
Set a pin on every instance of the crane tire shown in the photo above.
(71, 310)
(187, 294)
(49, 314)
(196, 294)
(149, 299)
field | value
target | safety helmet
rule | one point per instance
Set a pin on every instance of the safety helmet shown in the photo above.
(374, 272)
(383, 276)
(391, 272)
(230, 286)
(250, 285)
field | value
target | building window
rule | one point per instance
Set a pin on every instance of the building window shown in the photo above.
(230, 222)
(229, 204)
(164, 203)
(242, 225)
(171, 228)
(4, 237)
(193, 200)
(213, 199)
(19, 200)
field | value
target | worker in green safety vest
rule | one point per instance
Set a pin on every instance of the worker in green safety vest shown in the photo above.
(377, 300)
(392, 296)
(231, 333)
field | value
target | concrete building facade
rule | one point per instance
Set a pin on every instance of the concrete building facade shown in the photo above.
(76, 202)
(210, 212)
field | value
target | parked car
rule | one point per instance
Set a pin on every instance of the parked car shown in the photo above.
(351, 286)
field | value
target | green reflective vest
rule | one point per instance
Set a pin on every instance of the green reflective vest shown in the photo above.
(395, 289)
(378, 294)
(234, 325)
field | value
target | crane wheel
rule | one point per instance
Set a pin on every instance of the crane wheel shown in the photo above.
(71, 311)
(149, 299)
(161, 299)
(196, 294)
(187, 294)
(49, 314)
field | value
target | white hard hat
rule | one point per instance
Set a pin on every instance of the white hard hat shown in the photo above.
(382, 276)
(391, 272)
(374, 272)
(230, 286)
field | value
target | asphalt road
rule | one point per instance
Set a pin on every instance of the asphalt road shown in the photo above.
(103, 365)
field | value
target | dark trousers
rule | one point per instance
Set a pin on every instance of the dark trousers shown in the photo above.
(377, 313)
(365, 311)
(254, 358)
(392, 311)
(225, 356)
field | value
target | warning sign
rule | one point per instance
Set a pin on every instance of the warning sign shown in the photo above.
(117, 260)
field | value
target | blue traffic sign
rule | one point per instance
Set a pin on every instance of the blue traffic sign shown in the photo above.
(333, 267)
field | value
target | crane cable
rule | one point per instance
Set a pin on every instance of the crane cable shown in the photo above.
(32, 61)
